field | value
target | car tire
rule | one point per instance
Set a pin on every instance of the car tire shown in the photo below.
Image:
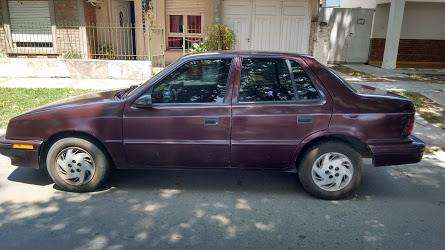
(330, 170)
(77, 165)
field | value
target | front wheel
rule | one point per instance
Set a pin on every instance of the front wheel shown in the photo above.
(77, 165)
(331, 170)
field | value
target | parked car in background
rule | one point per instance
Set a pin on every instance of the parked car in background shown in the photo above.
(243, 110)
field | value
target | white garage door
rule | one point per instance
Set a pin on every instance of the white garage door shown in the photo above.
(274, 25)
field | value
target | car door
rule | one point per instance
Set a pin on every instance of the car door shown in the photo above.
(188, 122)
(277, 103)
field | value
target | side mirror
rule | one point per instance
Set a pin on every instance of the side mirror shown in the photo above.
(143, 102)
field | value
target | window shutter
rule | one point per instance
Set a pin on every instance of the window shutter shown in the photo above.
(30, 22)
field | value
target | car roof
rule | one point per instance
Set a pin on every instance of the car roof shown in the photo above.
(232, 53)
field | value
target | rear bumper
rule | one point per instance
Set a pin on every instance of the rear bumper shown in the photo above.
(398, 153)
(21, 157)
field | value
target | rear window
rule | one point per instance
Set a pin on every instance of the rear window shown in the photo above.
(349, 86)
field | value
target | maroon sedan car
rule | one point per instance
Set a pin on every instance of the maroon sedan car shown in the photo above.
(243, 110)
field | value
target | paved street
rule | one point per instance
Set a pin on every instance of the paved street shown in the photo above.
(396, 207)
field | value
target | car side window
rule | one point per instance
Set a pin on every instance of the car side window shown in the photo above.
(199, 81)
(306, 89)
(265, 80)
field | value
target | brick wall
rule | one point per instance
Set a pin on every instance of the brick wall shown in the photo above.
(66, 15)
(411, 50)
(66, 12)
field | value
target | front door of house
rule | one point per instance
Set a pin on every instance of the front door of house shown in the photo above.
(272, 25)
(358, 39)
(123, 40)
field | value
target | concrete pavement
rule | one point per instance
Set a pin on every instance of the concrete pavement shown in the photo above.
(398, 79)
(435, 92)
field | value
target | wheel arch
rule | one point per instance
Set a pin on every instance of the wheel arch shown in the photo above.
(361, 147)
(46, 145)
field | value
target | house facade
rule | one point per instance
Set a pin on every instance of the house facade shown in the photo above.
(380, 32)
(277, 25)
(122, 29)
(410, 33)
(109, 29)
(41, 27)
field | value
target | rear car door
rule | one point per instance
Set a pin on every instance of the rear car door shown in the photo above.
(188, 122)
(277, 103)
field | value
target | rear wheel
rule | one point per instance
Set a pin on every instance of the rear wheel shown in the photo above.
(77, 165)
(331, 170)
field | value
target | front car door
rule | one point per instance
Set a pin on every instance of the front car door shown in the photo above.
(277, 103)
(188, 124)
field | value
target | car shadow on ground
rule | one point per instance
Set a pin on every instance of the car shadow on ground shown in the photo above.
(381, 182)
(29, 176)
(199, 179)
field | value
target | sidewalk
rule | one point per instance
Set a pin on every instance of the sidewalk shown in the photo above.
(99, 84)
(393, 73)
(398, 79)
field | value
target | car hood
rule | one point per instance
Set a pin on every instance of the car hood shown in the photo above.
(81, 100)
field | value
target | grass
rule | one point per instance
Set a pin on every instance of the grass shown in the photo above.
(428, 78)
(428, 109)
(14, 101)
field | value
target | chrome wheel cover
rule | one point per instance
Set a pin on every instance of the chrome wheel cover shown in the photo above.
(332, 171)
(75, 166)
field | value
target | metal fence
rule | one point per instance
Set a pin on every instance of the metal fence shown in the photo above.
(107, 42)
(29, 38)
(74, 41)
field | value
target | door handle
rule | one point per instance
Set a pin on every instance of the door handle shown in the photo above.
(304, 119)
(209, 121)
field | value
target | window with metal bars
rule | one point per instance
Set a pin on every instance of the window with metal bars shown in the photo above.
(184, 30)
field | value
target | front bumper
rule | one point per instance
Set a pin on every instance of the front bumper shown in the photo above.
(398, 153)
(21, 157)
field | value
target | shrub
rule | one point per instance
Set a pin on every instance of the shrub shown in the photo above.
(219, 37)
(72, 54)
(106, 51)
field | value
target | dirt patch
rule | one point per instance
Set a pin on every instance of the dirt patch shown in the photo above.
(428, 109)
(358, 74)
(434, 150)
(414, 76)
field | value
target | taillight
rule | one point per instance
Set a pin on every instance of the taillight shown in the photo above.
(409, 126)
